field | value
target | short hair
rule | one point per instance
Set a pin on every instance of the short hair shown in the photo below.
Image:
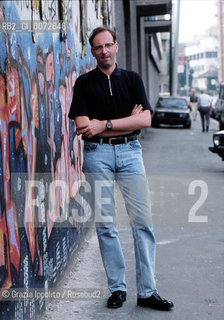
(99, 30)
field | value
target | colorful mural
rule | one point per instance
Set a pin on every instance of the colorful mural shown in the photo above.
(39, 145)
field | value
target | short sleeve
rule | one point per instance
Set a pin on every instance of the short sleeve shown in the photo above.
(140, 94)
(79, 105)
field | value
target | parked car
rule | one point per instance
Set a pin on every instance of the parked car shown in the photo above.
(213, 113)
(171, 111)
(218, 144)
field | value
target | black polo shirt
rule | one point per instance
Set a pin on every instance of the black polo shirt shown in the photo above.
(103, 97)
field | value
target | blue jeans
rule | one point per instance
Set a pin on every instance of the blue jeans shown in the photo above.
(103, 164)
(205, 116)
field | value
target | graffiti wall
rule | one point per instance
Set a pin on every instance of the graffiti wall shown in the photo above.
(43, 50)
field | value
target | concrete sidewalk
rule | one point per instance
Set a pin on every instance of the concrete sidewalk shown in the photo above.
(87, 273)
(176, 280)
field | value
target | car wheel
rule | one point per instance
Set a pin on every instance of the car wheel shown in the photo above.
(155, 124)
(188, 125)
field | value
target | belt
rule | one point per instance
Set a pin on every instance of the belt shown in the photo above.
(112, 140)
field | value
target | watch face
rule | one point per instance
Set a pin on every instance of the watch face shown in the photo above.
(109, 125)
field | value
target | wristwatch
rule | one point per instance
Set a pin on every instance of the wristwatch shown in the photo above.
(109, 125)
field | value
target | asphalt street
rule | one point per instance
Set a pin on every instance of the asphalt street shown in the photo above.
(187, 193)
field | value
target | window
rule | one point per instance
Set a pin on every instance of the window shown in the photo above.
(210, 54)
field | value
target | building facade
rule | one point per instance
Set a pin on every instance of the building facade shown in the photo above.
(202, 60)
(141, 24)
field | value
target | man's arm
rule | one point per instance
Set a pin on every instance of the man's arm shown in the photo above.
(137, 120)
(81, 122)
(81, 125)
(133, 122)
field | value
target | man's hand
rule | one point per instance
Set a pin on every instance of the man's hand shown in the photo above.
(138, 108)
(94, 127)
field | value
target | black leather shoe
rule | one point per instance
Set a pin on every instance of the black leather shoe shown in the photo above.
(155, 302)
(116, 299)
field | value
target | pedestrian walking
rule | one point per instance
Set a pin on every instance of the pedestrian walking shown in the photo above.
(204, 103)
(110, 108)
(194, 103)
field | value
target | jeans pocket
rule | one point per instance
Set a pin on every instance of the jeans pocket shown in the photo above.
(134, 145)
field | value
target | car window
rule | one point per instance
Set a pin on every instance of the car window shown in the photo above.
(172, 103)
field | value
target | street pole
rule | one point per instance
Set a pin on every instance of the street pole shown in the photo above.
(220, 51)
(175, 50)
(187, 77)
(171, 57)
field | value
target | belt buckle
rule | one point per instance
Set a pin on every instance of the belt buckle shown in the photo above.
(110, 139)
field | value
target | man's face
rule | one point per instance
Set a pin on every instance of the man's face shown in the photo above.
(104, 49)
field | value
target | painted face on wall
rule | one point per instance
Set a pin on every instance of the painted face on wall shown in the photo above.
(50, 68)
(104, 50)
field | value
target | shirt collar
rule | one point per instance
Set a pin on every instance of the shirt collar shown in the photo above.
(116, 72)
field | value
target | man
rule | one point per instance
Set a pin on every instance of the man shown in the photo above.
(109, 108)
(194, 103)
(204, 102)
